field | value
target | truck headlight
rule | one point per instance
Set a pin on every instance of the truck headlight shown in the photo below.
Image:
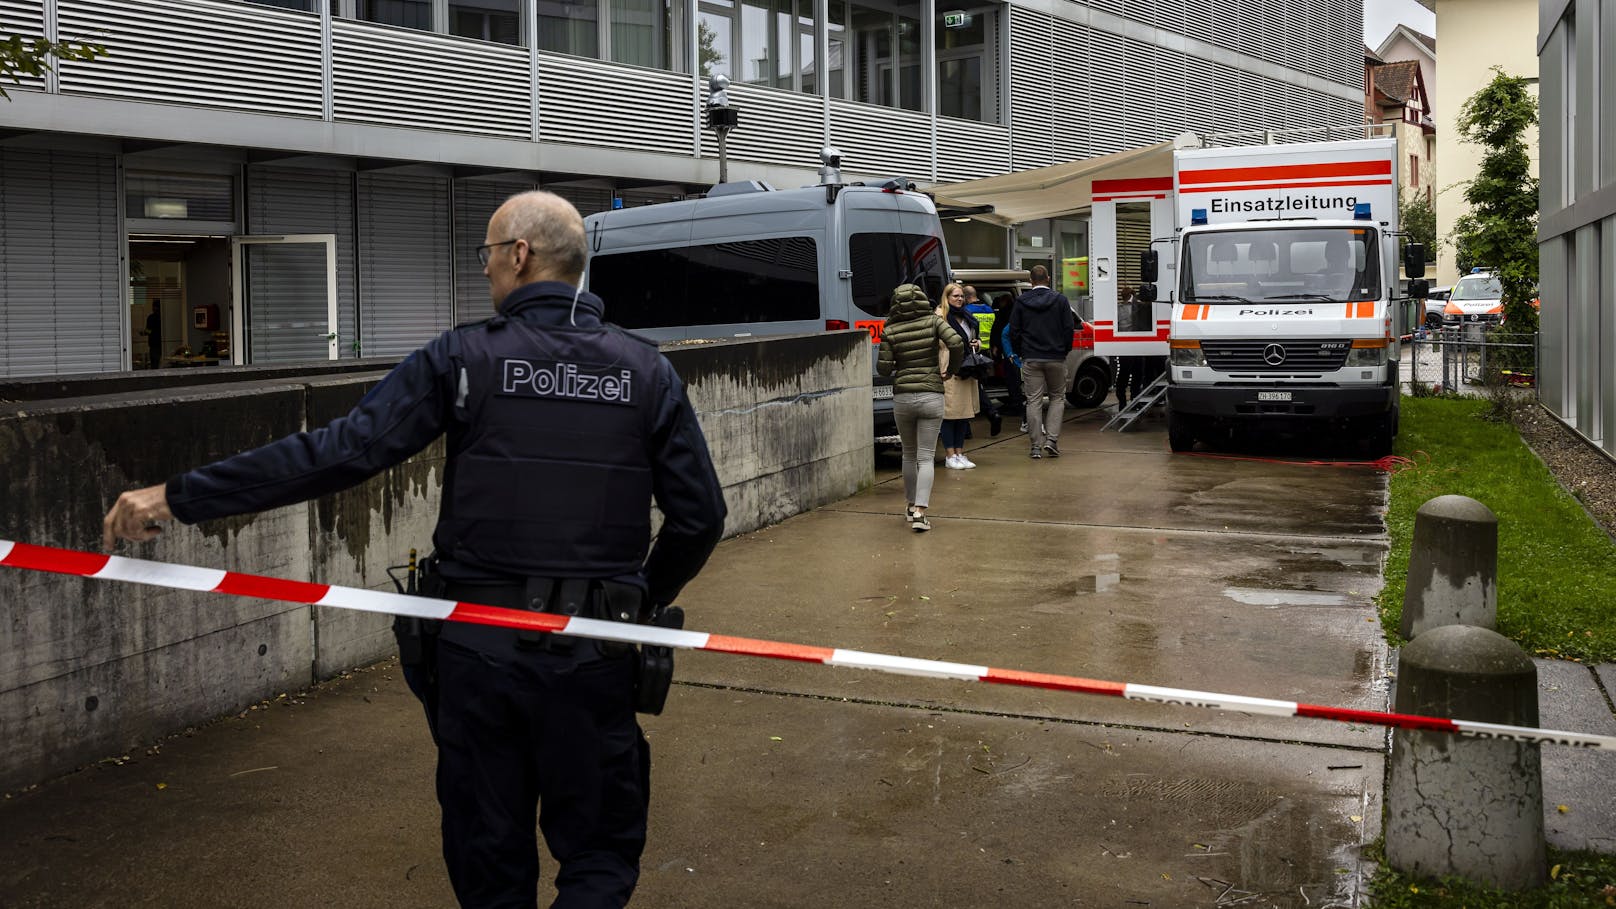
(1367, 353)
(1186, 353)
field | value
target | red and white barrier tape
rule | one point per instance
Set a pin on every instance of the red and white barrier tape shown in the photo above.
(184, 577)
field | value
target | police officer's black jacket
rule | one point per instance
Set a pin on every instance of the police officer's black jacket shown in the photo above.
(560, 429)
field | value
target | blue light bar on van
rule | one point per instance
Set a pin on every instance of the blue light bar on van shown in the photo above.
(1360, 212)
(1197, 216)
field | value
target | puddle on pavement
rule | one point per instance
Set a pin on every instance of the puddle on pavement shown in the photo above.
(1279, 847)
(1273, 599)
(1107, 575)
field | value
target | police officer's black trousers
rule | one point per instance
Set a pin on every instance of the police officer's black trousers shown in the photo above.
(520, 728)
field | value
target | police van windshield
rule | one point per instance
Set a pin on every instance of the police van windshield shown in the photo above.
(882, 261)
(1477, 287)
(1298, 263)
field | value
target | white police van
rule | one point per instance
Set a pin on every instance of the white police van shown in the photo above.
(750, 260)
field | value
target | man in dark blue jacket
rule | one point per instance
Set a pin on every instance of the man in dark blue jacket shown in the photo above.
(561, 430)
(1041, 327)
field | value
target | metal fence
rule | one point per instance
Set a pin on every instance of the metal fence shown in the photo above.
(1467, 359)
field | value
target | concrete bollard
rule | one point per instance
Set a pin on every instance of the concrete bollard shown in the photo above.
(1452, 567)
(1460, 805)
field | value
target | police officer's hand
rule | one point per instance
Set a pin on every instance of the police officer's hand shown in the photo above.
(135, 516)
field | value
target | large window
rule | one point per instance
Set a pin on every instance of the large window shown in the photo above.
(404, 13)
(485, 20)
(737, 283)
(873, 51)
(967, 62)
(570, 27)
(646, 33)
(764, 42)
(882, 55)
(489, 20)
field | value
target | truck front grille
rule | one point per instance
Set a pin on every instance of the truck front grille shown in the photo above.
(1281, 355)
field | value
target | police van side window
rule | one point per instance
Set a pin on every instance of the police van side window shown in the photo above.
(882, 261)
(775, 280)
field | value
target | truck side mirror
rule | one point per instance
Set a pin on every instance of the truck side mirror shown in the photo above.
(1414, 261)
(1149, 262)
(1419, 288)
(1147, 292)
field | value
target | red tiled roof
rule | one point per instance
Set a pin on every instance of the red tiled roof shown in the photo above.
(1396, 81)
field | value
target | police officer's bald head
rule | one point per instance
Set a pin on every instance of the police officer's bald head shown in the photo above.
(552, 247)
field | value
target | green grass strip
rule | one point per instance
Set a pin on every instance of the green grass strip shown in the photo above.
(1578, 880)
(1556, 567)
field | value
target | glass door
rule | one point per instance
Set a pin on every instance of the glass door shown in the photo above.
(285, 295)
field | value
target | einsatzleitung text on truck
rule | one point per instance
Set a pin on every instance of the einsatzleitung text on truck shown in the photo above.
(1282, 280)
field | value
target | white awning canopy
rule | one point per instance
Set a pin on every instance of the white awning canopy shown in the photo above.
(1053, 191)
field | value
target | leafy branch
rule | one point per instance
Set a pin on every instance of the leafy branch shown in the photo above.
(21, 56)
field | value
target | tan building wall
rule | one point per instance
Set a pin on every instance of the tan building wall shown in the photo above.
(1473, 36)
(1414, 165)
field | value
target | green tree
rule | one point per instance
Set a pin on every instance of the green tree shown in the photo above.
(21, 56)
(1418, 218)
(1500, 232)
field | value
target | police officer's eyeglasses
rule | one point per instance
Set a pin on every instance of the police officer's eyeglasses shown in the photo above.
(484, 250)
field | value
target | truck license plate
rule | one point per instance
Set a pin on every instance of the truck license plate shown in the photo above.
(1273, 396)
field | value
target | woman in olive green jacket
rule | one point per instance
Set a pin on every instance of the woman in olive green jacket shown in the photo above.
(910, 354)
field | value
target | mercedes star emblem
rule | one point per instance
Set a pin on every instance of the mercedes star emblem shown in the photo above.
(1273, 355)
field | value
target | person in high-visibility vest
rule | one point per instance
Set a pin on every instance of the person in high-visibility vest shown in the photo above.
(984, 325)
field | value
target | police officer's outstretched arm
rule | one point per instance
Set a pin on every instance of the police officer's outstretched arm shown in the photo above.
(686, 489)
(399, 417)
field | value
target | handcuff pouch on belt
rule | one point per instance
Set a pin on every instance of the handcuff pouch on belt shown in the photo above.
(589, 598)
(610, 601)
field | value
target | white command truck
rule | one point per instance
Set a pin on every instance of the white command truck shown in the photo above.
(1286, 313)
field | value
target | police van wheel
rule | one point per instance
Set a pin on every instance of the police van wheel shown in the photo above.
(1090, 386)
(1180, 433)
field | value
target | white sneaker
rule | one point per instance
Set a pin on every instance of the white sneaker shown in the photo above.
(952, 463)
(966, 463)
(1023, 425)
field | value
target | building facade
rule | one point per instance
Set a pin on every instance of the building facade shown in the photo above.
(1473, 36)
(1577, 221)
(1395, 94)
(289, 180)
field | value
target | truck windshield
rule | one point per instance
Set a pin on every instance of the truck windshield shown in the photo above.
(1284, 263)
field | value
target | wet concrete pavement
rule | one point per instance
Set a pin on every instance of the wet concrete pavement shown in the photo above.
(784, 784)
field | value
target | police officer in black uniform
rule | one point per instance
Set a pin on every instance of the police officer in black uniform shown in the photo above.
(561, 431)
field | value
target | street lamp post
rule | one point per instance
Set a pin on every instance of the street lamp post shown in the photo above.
(722, 118)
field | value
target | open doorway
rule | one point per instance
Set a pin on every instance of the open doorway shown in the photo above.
(179, 301)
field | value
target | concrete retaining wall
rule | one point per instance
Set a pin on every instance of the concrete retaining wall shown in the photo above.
(91, 669)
